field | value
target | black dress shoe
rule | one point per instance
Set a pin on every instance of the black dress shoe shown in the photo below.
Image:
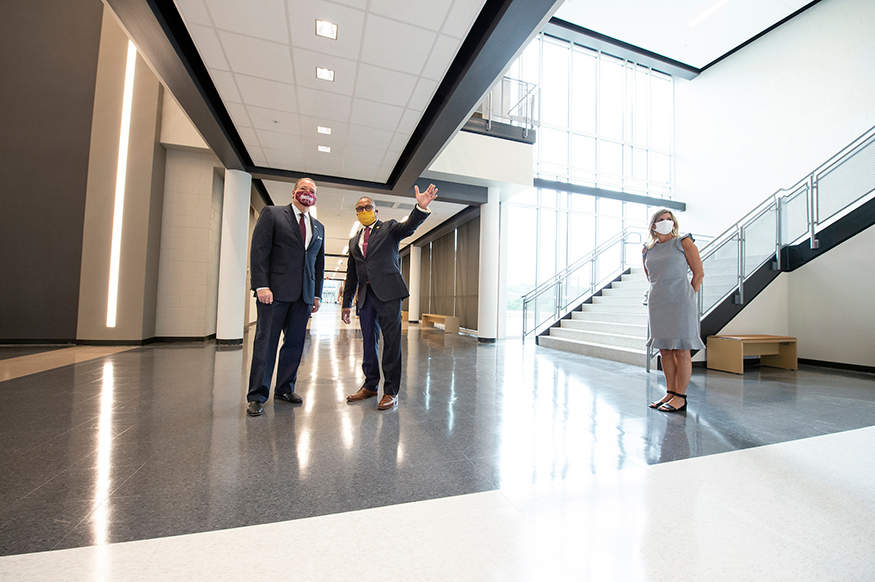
(289, 397)
(254, 409)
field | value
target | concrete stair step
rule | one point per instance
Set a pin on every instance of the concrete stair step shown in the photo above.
(606, 327)
(611, 317)
(601, 338)
(611, 308)
(635, 357)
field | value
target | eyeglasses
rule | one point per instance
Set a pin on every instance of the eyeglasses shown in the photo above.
(366, 208)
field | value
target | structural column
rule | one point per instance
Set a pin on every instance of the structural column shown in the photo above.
(415, 269)
(232, 257)
(487, 310)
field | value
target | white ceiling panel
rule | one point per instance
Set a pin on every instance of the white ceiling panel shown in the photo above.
(239, 114)
(226, 85)
(279, 141)
(273, 120)
(309, 126)
(384, 86)
(209, 46)
(305, 68)
(195, 12)
(350, 23)
(422, 94)
(399, 140)
(322, 104)
(366, 155)
(281, 159)
(258, 58)
(376, 115)
(266, 93)
(395, 45)
(249, 137)
(424, 13)
(369, 137)
(441, 58)
(409, 120)
(261, 18)
(461, 17)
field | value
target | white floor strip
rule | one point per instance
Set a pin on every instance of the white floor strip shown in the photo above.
(796, 511)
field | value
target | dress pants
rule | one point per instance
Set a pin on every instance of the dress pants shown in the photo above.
(290, 318)
(375, 316)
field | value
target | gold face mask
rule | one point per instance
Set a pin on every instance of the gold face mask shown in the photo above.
(367, 217)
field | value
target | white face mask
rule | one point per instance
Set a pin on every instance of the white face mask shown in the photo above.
(664, 226)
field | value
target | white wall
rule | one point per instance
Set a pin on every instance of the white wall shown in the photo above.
(190, 234)
(770, 114)
(762, 120)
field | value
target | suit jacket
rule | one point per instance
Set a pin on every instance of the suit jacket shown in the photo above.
(278, 259)
(380, 267)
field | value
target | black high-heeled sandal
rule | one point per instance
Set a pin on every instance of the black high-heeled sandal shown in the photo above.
(658, 403)
(669, 408)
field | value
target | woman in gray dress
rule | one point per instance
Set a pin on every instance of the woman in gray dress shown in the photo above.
(673, 316)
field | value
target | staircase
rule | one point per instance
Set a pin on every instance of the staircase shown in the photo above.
(612, 327)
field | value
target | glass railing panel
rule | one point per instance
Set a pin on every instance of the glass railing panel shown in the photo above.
(794, 215)
(577, 286)
(545, 308)
(721, 274)
(608, 263)
(759, 240)
(846, 182)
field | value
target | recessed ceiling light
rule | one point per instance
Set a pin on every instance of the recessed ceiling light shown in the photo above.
(324, 74)
(322, 129)
(326, 29)
(325, 149)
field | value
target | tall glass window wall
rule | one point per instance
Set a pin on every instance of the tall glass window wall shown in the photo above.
(604, 122)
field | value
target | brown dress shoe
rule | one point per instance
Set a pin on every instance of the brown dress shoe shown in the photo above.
(387, 402)
(362, 394)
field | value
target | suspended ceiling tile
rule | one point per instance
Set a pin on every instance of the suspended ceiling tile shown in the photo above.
(384, 86)
(239, 114)
(273, 120)
(309, 125)
(280, 141)
(366, 155)
(259, 18)
(283, 159)
(461, 17)
(376, 115)
(399, 140)
(369, 137)
(249, 137)
(266, 93)
(394, 45)
(209, 47)
(226, 85)
(258, 58)
(305, 67)
(194, 12)
(409, 120)
(429, 13)
(441, 57)
(323, 104)
(350, 23)
(422, 94)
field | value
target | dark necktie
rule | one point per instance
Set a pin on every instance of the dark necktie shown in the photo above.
(303, 230)
(365, 242)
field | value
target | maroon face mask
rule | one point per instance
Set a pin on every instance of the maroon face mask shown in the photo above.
(305, 198)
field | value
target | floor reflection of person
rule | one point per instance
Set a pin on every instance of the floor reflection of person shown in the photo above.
(673, 316)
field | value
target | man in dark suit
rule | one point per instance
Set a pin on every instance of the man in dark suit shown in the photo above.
(373, 271)
(287, 266)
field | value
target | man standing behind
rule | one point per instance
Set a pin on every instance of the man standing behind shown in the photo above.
(287, 266)
(373, 271)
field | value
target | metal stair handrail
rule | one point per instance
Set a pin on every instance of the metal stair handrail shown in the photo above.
(781, 204)
(557, 281)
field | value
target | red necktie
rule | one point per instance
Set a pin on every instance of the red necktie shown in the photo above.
(303, 230)
(365, 242)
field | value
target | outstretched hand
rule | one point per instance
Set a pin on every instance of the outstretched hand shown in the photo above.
(425, 198)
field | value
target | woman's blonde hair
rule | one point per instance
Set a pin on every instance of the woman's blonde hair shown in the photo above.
(674, 232)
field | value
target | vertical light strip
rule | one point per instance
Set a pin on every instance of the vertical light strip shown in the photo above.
(118, 213)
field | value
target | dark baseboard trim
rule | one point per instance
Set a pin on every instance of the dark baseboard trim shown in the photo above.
(115, 342)
(171, 340)
(229, 342)
(838, 366)
(413, 321)
(486, 340)
(34, 342)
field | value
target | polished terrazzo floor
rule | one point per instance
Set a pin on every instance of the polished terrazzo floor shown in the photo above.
(506, 454)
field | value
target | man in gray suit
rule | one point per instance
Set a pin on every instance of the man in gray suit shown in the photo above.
(287, 266)
(373, 271)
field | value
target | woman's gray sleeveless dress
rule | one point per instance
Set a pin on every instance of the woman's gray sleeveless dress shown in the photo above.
(674, 317)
